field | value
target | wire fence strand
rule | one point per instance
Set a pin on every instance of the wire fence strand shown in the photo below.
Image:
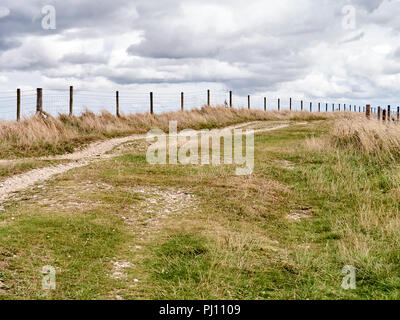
(57, 102)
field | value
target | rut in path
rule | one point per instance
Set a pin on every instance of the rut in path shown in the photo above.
(94, 152)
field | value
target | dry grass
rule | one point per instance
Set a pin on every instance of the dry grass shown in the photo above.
(372, 138)
(47, 135)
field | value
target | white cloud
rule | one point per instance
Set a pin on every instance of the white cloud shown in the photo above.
(4, 12)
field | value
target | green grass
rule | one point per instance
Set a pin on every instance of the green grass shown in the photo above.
(78, 246)
(233, 240)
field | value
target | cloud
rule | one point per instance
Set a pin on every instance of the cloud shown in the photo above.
(354, 38)
(83, 58)
(7, 44)
(286, 47)
(4, 12)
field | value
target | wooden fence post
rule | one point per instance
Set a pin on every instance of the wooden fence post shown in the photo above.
(290, 104)
(71, 100)
(279, 104)
(265, 104)
(398, 113)
(18, 104)
(248, 102)
(182, 101)
(339, 107)
(326, 107)
(230, 99)
(302, 105)
(117, 103)
(151, 103)
(310, 106)
(384, 115)
(379, 113)
(368, 113)
(333, 107)
(39, 100)
(208, 98)
(319, 106)
(344, 107)
(389, 114)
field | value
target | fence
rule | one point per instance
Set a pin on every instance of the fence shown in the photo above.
(74, 102)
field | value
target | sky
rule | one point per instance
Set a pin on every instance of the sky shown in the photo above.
(322, 50)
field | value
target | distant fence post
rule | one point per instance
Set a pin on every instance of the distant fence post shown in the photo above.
(290, 104)
(151, 103)
(333, 107)
(208, 98)
(319, 106)
(302, 108)
(71, 100)
(379, 113)
(339, 107)
(326, 107)
(368, 114)
(182, 101)
(39, 100)
(389, 114)
(359, 109)
(117, 103)
(18, 104)
(384, 115)
(230, 99)
(265, 104)
(248, 102)
(279, 104)
(310, 106)
(398, 113)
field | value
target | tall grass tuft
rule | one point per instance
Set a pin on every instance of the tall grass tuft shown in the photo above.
(372, 138)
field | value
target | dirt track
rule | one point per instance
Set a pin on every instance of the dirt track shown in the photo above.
(94, 152)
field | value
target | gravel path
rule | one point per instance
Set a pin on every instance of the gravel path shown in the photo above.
(94, 152)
